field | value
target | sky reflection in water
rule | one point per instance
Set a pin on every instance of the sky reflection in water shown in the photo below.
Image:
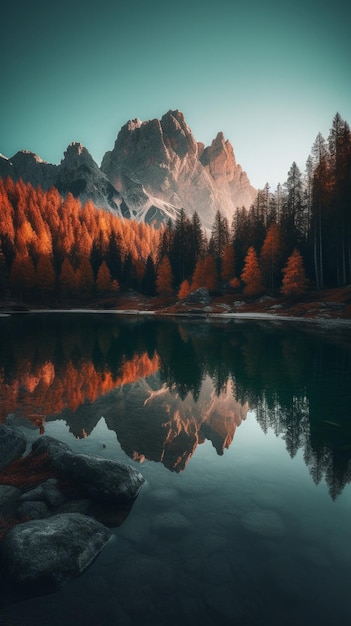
(242, 432)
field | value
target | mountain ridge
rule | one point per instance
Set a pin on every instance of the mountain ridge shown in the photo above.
(155, 168)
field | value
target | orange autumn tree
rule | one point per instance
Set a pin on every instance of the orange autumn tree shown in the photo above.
(184, 289)
(67, 278)
(22, 275)
(271, 255)
(45, 275)
(164, 278)
(294, 282)
(103, 279)
(251, 274)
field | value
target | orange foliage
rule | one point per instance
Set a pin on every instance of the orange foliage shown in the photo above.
(251, 274)
(27, 471)
(34, 222)
(70, 387)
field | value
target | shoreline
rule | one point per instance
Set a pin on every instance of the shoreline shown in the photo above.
(206, 315)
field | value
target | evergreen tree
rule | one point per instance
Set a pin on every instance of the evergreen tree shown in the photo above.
(228, 263)
(148, 283)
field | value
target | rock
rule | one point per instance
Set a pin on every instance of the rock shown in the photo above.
(12, 445)
(50, 446)
(155, 168)
(33, 509)
(8, 495)
(46, 492)
(100, 478)
(43, 555)
(159, 162)
(200, 296)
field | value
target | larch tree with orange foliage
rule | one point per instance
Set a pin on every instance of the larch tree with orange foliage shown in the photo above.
(271, 256)
(45, 275)
(164, 278)
(85, 278)
(184, 289)
(294, 282)
(67, 278)
(251, 274)
(103, 279)
(22, 275)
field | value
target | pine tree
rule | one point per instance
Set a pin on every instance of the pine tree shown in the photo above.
(198, 278)
(228, 263)
(164, 279)
(210, 273)
(148, 283)
(251, 274)
(294, 281)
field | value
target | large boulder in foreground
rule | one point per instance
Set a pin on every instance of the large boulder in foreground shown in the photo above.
(12, 445)
(46, 555)
(99, 478)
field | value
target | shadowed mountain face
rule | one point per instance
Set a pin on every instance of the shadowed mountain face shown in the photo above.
(166, 387)
(155, 169)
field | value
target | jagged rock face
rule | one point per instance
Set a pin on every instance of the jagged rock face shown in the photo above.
(155, 169)
(159, 162)
(30, 167)
(79, 174)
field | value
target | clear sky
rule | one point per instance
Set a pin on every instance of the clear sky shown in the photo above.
(270, 75)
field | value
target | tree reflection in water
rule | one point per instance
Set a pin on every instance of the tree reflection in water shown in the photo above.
(166, 386)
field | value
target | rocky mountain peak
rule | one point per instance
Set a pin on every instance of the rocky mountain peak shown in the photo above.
(155, 168)
(159, 162)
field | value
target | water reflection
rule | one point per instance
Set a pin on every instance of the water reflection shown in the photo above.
(165, 387)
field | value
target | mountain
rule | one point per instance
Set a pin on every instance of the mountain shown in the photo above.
(154, 169)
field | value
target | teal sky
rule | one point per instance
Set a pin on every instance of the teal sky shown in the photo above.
(270, 75)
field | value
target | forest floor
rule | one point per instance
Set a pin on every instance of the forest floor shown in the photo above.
(328, 304)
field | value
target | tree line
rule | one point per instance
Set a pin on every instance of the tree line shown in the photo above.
(296, 236)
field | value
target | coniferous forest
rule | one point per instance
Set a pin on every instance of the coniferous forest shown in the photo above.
(53, 249)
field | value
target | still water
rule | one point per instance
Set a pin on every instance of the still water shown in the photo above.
(242, 431)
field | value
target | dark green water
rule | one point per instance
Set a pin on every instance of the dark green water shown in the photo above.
(243, 433)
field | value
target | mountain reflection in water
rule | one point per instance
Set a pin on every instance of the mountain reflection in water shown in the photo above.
(165, 387)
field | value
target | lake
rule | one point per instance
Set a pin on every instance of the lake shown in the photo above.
(242, 430)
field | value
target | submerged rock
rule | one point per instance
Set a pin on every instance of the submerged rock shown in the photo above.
(263, 522)
(12, 445)
(46, 554)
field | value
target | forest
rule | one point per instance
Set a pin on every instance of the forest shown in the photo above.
(54, 249)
